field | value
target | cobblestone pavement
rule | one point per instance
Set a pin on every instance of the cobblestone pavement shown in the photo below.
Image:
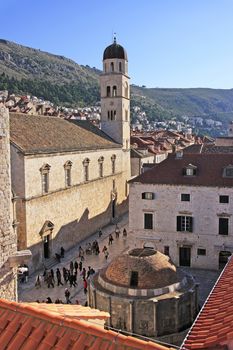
(28, 291)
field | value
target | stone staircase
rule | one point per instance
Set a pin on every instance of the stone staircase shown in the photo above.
(49, 263)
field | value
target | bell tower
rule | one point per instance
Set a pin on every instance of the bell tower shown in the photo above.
(115, 95)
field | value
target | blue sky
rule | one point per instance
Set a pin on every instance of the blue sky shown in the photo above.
(170, 43)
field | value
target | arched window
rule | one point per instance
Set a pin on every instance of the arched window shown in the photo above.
(114, 115)
(126, 90)
(120, 67)
(67, 167)
(101, 168)
(112, 66)
(44, 170)
(113, 159)
(86, 169)
(114, 91)
(108, 91)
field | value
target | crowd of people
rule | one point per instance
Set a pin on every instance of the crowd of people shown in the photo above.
(68, 276)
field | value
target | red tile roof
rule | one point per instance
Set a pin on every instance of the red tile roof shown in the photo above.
(213, 328)
(28, 328)
(71, 311)
(209, 171)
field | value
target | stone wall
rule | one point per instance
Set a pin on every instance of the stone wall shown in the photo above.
(75, 211)
(205, 209)
(8, 280)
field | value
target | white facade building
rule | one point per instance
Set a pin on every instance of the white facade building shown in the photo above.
(183, 207)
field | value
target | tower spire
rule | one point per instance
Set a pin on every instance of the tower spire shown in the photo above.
(114, 38)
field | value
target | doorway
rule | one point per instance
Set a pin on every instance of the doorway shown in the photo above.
(46, 247)
(185, 256)
(113, 208)
(223, 258)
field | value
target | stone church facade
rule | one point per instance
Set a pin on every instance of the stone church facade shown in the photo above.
(71, 177)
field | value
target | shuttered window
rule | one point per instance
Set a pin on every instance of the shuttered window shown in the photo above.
(184, 223)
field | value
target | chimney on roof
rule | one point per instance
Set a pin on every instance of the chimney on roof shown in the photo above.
(179, 154)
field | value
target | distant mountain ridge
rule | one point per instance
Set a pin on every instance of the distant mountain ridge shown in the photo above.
(61, 80)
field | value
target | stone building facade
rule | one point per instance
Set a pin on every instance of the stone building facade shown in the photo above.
(8, 277)
(70, 176)
(10, 257)
(145, 294)
(184, 208)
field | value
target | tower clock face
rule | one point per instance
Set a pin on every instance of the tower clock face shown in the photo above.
(111, 103)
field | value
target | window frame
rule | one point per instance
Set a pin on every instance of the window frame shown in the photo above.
(45, 170)
(101, 166)
(86, 163)
(223, 229)
(185, 197)
(148, 223)
(201, 251)
(148, 195)
(67, 168)
(113, 160)
(222, 199)
(184, 223)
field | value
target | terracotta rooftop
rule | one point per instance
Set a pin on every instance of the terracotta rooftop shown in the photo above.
(213, 327)
(25, 327)
(40, 134)
(208, 148)
(71, 311)
(171, 171)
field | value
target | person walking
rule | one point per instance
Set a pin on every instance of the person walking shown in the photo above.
(62, 252)
(67, 296)
(75, 266)
(110, 239)
(117, 231)
(64, 274)
(71, 267)
(100, 232)
(80, 266)
(106, 254)
(52, 274)
(58, 274)
(50, 280)
(124, 233)
(83, 273)
(84, 285)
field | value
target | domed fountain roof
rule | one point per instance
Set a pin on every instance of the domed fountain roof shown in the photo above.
(143, 268)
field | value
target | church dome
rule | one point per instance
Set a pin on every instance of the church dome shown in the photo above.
(115, 51)
(143, 268)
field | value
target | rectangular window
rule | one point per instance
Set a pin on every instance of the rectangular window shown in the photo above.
(184, 223)
(148, 195)
(166, 250)
(201, 251)
(223, 199)
(86, 172)
(101, 169)
(185, 197)
(68, 177)
(223, 226)
(45, 182)
(229, 172)
(113, 166)
(148, 221)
